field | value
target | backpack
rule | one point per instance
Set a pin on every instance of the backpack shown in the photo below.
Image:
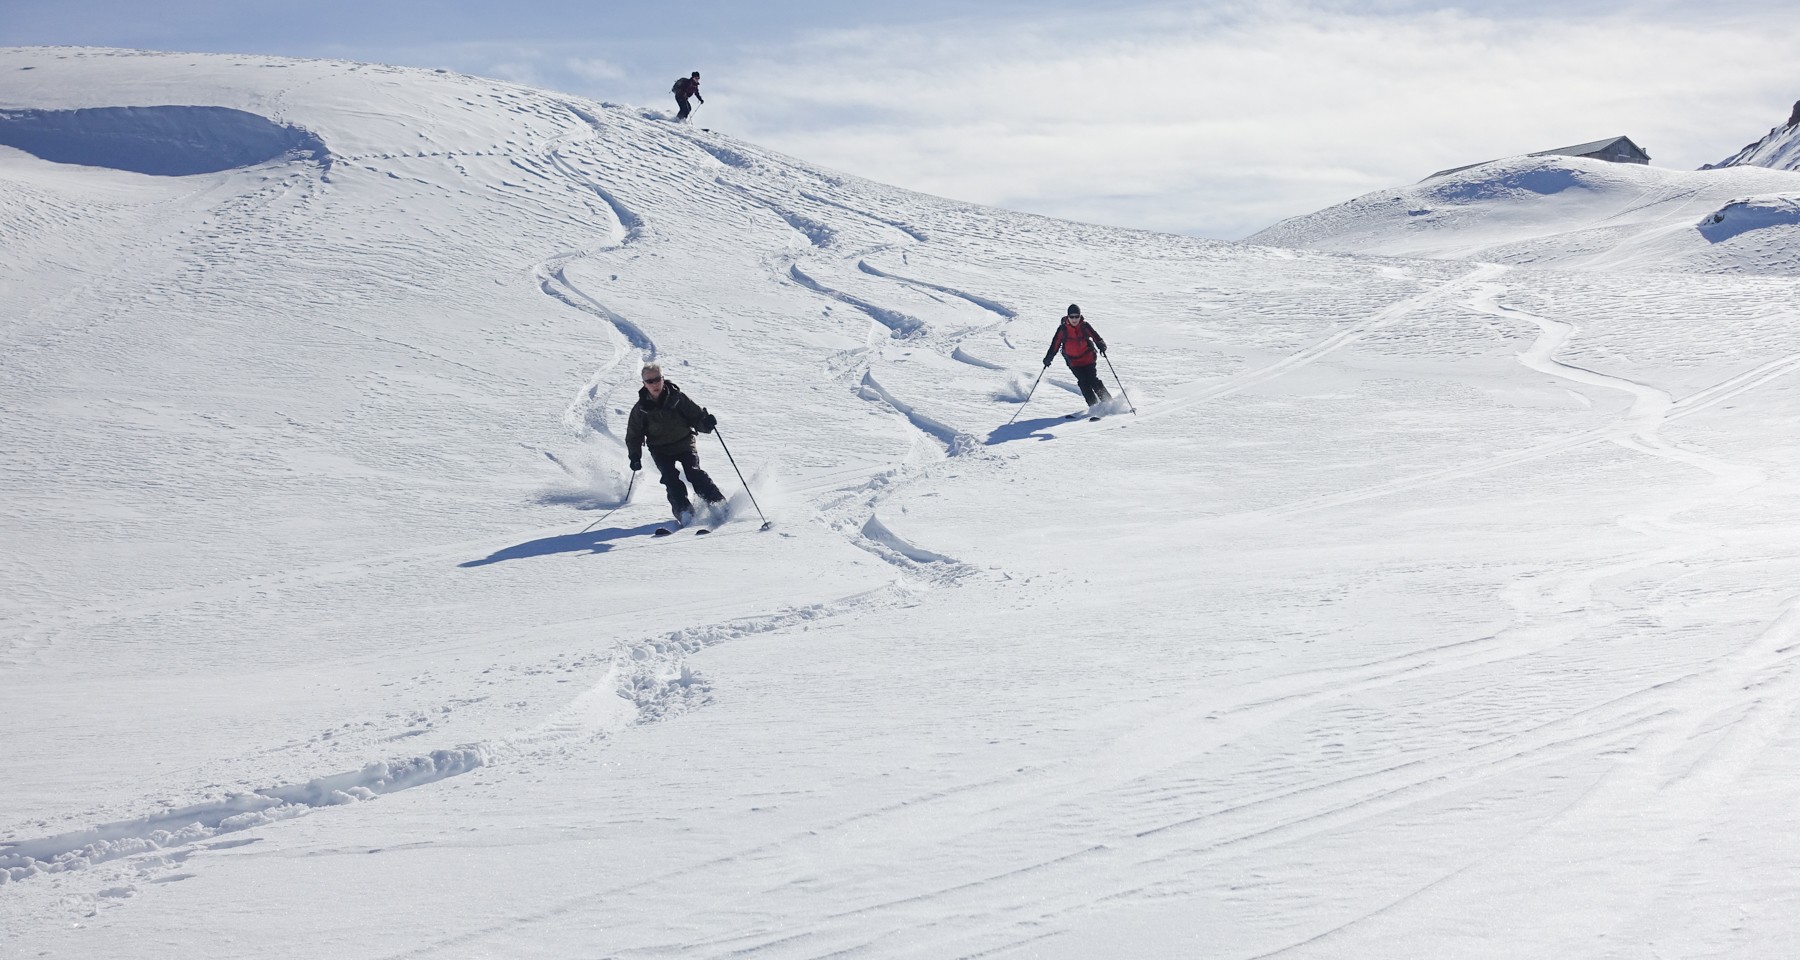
(680, 88)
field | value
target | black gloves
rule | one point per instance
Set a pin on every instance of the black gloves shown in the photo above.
(707, 422)
(636, 464)
(1046, 361)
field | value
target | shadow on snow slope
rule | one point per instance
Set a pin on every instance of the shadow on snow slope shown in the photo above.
(594, 541)
(166, 141)
(1024, 430)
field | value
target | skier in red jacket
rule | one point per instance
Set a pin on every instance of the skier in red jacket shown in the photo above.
(1079, 342)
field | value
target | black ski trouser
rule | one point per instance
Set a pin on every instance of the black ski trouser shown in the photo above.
(685, 456)
(686, 108)
(1092, 390)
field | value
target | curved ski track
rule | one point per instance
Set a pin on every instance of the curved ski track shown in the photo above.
(587, 411)
(1152, 847)
(1651, 409)
(855, 512)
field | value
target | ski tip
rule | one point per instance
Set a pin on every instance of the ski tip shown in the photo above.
(663, 532)
(703, 531)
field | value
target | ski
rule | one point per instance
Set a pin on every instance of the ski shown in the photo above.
(671, 531)
(1092, 419)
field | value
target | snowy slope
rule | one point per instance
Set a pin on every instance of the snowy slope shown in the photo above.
(1424, 608)
(1779, 150)
(1572, 213)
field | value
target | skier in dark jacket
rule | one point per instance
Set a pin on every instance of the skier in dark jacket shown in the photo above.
(665, 420)
(684, 88)
(1078, 342)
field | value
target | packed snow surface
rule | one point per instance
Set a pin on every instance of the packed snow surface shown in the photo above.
(1437, 607)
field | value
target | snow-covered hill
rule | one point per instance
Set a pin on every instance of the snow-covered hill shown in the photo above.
(1779, 150)
(1572, 213)
(1422, 608)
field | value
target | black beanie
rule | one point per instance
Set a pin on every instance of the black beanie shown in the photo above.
(1074, 311)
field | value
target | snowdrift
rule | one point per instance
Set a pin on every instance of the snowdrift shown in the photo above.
(169, 141)
(1568, 212)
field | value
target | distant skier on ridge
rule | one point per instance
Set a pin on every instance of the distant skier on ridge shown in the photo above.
(684, 88)
(665, 419)
(1078, 342)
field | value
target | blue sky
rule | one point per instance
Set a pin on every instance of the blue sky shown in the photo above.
(1209, 118)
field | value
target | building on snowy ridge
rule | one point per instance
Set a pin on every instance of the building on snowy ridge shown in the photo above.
(1614, 149)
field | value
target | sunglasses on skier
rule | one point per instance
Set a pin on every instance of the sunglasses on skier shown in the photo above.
(654, 380)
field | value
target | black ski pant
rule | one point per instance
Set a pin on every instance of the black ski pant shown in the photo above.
(686, 108)
(1092, 390)
(685, 456)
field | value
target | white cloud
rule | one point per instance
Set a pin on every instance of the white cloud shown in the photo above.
(521, 70)
(1220, 123)
(593, 69)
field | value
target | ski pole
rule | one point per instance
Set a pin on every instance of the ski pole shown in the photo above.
(1028, 394)
(614, 510)
(1121, 383)
(740, 475)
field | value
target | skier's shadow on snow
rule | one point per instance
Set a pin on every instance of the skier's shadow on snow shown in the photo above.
(1024, 430)
(593, 541)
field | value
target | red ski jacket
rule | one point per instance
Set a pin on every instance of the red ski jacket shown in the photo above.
(1077, 347)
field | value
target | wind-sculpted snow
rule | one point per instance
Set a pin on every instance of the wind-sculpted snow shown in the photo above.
(1507, 182)
(900, 225)
(1754, 213)
(725, 155)
(168, 141)
(1449, 599)
(1570, 212)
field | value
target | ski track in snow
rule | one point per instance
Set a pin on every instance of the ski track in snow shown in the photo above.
(915, 233)
(992, 306)
(1651, 409)
(819, 235)
(174, 829)
(901, 325)
(956, 443)
(1155, 842)
(645, 681)
(870, 533)
(1182, 398)
(1159, 854)
(587, 411)
(657, 678)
